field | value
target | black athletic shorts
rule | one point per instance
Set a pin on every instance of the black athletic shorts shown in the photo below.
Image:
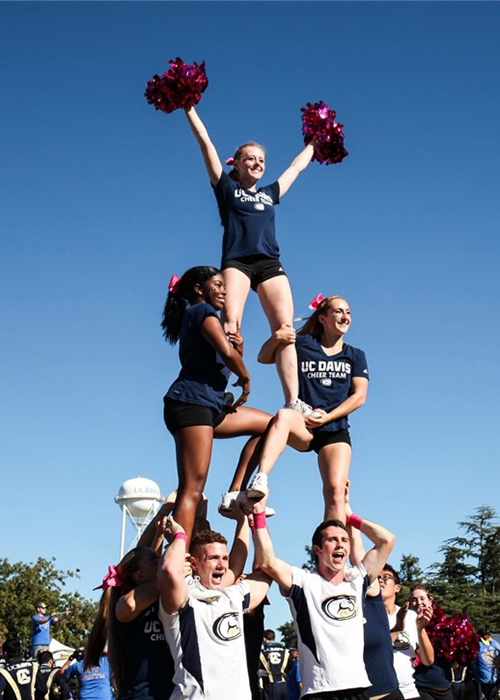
(393, 695)
(325, 437)
(258, 268)
(354, 694)
(178, 414)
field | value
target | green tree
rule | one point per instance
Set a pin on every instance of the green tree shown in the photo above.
(288, 636)
(23, 585)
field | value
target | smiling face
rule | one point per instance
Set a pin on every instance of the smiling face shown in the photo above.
(213, 292)
(251, 164)
(337, 317)
(334, 551)
(210, 563)
(419, 600)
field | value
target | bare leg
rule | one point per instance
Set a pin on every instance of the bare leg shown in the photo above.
(245, 421)
(276, 298)
(237, 288)
(287, 427)
(194, 449)
(334, 461)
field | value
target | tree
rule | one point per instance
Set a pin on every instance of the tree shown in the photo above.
(23, 585)
(288, 635)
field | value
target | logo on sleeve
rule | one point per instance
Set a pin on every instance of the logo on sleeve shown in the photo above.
(402, 641)
(340, 607)
(227, 627)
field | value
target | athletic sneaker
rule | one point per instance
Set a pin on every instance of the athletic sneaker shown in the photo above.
(303, 408)
(229, 498)
(258, 486)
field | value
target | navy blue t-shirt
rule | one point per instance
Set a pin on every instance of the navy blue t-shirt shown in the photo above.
(203, 377)
(149, 667)
(248, 219)
(325, 381)
(378, 654)
(436, 676)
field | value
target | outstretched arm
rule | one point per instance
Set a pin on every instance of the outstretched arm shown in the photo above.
(358, 551)
(153, 534)
(298, 164)
(285, 335)
(239, 550)
(135, 601)
(173, 588)
(214, 334)
(265, 559)
(210, 156)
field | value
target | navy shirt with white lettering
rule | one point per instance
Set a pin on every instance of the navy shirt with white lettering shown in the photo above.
(325, 381)
(248, 219)
(203, 377)
(149, 667)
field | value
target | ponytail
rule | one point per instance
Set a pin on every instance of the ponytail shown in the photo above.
(313, 325)
(184, 295)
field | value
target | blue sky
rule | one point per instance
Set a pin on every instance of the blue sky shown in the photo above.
(103, 199)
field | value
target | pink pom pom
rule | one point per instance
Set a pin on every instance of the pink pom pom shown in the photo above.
(318, 122)
(178, 88)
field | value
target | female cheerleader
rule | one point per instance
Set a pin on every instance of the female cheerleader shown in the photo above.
(250, 252)
(333, 378)
(128, 621)
(195, 410)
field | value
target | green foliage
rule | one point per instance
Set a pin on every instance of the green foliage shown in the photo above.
(24, 585)
(288, 636)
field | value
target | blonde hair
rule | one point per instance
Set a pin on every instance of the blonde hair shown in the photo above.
(313, 325)
(239, 152)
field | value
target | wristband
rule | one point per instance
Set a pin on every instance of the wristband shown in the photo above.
(354, 521)
(181, 536)
(259, 520)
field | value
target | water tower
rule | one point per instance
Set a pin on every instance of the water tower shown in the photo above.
(140, 499)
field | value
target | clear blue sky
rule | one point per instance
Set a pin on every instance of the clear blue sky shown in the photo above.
(103, 199)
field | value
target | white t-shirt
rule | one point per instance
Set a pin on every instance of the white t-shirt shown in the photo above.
(329, 624)
(208, 647)
(405, 650)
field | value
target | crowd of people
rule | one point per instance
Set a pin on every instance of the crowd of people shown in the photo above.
(184, 620)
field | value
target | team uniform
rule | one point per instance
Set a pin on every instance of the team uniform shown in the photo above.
(274, 660)
(434, 682)
(49, 685)
(328, 620)
(378, 654)
(405, 650)
(17, 680)
(249, 243)
(207, 644)
(325, 381)
(149, 667)
(197, 395)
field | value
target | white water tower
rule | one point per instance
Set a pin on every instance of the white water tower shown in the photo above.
(139, 499)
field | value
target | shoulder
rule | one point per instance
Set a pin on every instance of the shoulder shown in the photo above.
(197, 313)
(305, 342)
(225, 182)
(272, 190)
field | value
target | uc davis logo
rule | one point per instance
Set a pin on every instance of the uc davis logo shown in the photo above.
(340, 607)
(227, 627)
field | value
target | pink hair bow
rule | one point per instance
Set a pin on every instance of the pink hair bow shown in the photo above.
(316, 301)
(111, 580)
(230, 161)
(173, 285)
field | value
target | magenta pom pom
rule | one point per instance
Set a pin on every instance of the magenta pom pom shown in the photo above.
(318, 122)
(454, 638)
(178, 88)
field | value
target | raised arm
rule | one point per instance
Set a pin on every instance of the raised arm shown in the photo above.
(153, 534)
(298, 164)
(135, 601)
(173, 588)
(239, 551)
(265, 559)
(214, 334)
(425, 649)
(383, 540)
(358, 551)
(210, 156)
(285, 335)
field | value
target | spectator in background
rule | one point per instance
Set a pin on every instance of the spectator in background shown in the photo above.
(274, 662)
(40, 627)
(94, 683)
(17, 678)
(49, 684)
(486, 664)
(293, 680)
